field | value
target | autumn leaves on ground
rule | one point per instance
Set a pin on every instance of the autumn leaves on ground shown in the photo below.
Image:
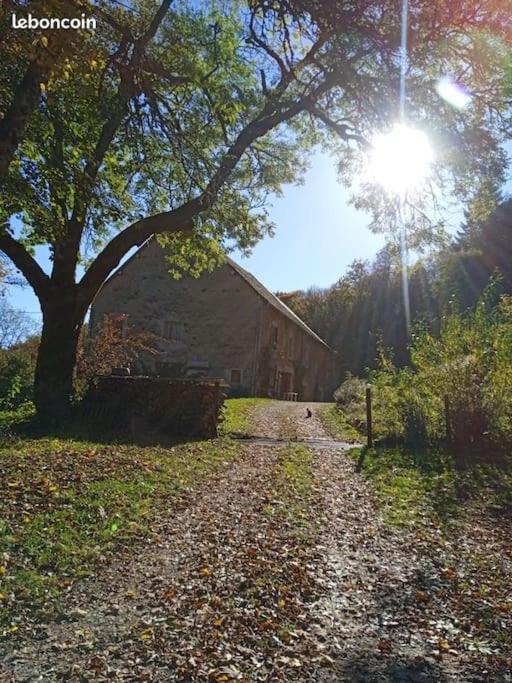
(229, 561)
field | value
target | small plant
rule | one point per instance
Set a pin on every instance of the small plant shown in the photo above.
(112, 344)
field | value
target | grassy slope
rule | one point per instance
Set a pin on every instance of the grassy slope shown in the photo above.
(66, 505)
(337, 425)
(461, 521)
(69, 502)
(424, 487)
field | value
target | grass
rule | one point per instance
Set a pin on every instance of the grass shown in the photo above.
(69, 504)
(293, 487)
(337, 425)
(424, 487)
(460, 521)
(237, 415)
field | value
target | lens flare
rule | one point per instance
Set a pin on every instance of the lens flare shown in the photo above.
(454, 93)
(400, 160)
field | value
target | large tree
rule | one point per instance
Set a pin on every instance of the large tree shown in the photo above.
(177, 119)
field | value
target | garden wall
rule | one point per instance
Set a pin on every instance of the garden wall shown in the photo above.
(157, 405)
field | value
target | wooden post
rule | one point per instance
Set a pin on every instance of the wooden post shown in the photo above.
(447, 419)
(369, 434)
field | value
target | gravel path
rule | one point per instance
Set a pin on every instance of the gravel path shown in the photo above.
(282, 419)
(232, 590)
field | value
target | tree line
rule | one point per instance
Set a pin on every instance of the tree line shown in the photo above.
(363, 312)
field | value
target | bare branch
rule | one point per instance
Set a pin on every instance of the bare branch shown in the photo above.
(341, 129)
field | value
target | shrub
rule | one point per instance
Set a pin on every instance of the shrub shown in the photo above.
(470, 362)
(17, 367)
(113, 344)
(350, 398)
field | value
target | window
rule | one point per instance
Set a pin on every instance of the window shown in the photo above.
(236, 376)
(289, 347)
(174, 330)
(273, 335)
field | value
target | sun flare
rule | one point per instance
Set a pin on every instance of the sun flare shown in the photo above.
(400, 160)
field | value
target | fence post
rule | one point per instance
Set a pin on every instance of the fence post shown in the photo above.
(447, 419)
(369, 434)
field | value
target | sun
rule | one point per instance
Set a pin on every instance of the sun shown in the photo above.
(401, 159)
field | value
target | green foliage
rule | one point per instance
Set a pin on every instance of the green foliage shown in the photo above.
(189, 118)
(470, 363)
(343, 419)
(17, 367)
(167, 120)
(11, 419)
(169, 139)
(364, 310)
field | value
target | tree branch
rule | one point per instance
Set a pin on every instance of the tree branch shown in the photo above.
(21, 258)
(67, 255)
(341, 129)
(182, 218)
(112, 124)
(13, 125)
(179, 220)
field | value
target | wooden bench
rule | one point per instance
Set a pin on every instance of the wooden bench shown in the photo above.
(291, 396)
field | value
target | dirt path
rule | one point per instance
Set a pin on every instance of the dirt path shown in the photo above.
(373, 616)
(234, 589)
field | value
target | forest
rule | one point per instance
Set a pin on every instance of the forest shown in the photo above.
(363, 312)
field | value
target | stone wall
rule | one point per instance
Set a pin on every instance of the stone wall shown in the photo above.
(219, 314)
(150, 406)
(223, 330)
(310, 363)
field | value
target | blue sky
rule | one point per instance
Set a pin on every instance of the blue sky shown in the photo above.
(318, 235)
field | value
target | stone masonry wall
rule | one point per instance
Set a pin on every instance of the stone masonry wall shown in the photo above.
(225, 327)
(219, 311)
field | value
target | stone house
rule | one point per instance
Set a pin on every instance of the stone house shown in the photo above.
(224, 324)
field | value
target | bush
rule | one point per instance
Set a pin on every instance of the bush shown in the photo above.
(470, 362)
(350, 399)
(17, 368)
(113, 344)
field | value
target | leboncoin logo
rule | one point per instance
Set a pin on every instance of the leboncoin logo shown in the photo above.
(31, 22)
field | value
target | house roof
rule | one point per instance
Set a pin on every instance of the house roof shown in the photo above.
(254, 283)
(274, 301)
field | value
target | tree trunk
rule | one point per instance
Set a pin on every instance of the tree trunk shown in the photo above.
(53, 386)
